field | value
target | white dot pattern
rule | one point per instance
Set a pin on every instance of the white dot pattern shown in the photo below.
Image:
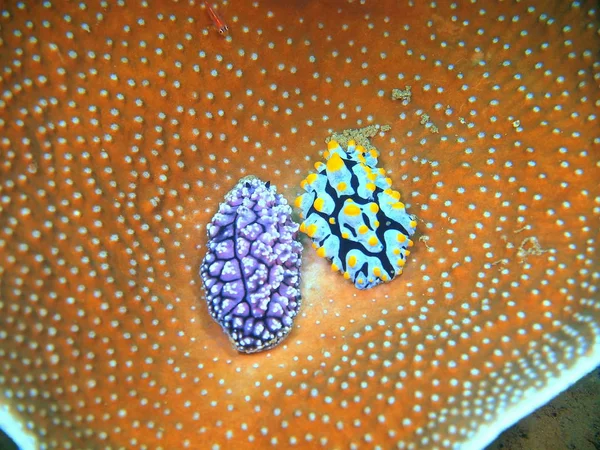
(123, 124)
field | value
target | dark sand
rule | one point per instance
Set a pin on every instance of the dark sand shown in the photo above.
(570, 421)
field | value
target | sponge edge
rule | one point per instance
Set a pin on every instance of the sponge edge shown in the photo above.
(354, 217)
(251, 271)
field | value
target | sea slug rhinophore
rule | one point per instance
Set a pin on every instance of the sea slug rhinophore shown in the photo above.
(354, 217)
(251, 270)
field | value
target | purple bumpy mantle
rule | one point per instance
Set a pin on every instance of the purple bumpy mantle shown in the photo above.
(251, 271)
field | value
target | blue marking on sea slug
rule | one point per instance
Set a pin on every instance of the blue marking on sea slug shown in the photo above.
(354, 217)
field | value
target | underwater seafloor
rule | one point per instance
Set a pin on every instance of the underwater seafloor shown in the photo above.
(123, 125)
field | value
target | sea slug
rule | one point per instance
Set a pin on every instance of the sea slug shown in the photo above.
(354, 217)
(251, 270)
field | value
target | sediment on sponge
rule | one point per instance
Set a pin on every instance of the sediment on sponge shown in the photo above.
(251, 271)
(354, 217)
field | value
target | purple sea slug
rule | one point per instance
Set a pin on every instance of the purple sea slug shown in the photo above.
(251, 270)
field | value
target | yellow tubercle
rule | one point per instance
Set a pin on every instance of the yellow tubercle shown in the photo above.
(372, 176)
(360, 149)
(321, 252)
(345, 235)
(406, 253)
(326, 154)
(335, 163)
(351, 210)
(346, 275)
(396, 251)
(373, 241)
(410, 243)
(341, 186)
(303, 227)
(374, 208)
(388, 180)
(351, 143)
(332, 144)
(392, 193)
(334, 267)
(370, 187)
(319, 165)
(311, 230)
(303, 184)
(363, 229)
(413, 224)
(298, 201)
(374, 153)
(376, 224)
(398, 205)
(311, 178)
(332, 220)
(352, 260)
(377, 271)
(315, 245)
(319, 204)
(400, 263)
(384, 277)
(401, 237)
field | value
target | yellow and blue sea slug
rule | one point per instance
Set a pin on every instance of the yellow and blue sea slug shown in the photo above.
(354, 217)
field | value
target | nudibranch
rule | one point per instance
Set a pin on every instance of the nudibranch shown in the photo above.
(251, 270)
(354, 217)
